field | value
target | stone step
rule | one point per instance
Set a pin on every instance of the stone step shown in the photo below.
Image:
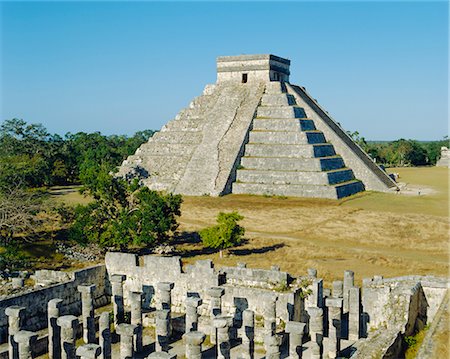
(182, 137)
(184, 125)
(292, 163)
(281, 99)
(281, 150)
(281, 112)
(286, 137)
(174, 149)
(160, 184)
(188, 113)
(275, 87)
(283, 124)
(295, 177)
(300, 190)
(315, 137)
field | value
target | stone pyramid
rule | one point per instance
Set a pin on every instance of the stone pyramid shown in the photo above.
(253, 132)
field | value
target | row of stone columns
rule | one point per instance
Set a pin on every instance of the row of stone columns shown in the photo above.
(343, 309)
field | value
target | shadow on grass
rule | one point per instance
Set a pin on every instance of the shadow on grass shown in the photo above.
(194, 238)
(186, 237)
(261, 250)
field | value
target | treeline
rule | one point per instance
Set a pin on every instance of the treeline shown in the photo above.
(30, 155)
(402, 152)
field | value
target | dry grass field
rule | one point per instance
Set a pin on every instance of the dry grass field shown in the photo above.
(371, 233)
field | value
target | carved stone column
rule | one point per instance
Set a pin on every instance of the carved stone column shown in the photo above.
(54, 335)
(89, 351)
(15, 315)
(69, 326)
(295, 331)
(25, 340)
(194, 341)
(117, 297)
(192, 304)
(87, 312)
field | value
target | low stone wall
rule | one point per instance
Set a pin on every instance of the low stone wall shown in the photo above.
(36, 301)
(378, 296)
(196, 279)
(251, 277)
(395, 308)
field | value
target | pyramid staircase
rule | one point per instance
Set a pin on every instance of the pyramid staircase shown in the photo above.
(286, 155)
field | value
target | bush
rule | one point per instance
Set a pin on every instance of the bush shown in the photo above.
(125, 214)
(227, 233)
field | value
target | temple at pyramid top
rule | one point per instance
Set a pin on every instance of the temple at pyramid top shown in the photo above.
(253, 132)
(249, 68)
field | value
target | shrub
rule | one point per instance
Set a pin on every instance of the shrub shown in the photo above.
(125, 214)
(227, 233)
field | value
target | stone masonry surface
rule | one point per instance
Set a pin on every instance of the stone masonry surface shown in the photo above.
(252, 132)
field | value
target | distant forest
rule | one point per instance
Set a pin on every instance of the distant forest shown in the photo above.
(33, 157)
(402, 152)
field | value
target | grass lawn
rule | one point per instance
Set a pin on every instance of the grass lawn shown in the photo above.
(371, 233)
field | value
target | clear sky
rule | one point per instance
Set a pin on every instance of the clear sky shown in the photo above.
(380, 68)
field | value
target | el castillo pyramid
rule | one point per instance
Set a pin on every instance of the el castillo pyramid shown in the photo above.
(253, 132)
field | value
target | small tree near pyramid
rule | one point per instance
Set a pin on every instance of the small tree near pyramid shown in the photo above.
(227, 233)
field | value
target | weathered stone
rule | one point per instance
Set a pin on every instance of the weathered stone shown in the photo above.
(164, 292)
(272, 345)
(87, 310)
(68, 325)
(338, 290)
(270, 314)
(161, 355)
(349, 282)
(221, 324)
(315, 298)
(192, 304)
(162, 330)
(54, 335)
(199, 151)
(25, 341)
(17, 282)
(312, 272)
(215, 304)
(15, 315)
(444, 160)
(295, 331)
(89, 351)
(334, 325)
(354, 314)
(194, 342)
(104, 336)
(136, 318)
(117, 297)
(316, 330)
(126, 332)
(248, 338)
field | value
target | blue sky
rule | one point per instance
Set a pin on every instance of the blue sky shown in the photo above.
(380, 68)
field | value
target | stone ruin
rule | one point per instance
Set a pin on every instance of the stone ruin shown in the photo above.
(444, 160)
(152, 307)
(254, 132)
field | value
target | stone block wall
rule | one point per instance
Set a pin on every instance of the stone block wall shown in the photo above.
(252, 277)
(36, 301)
(247, 291)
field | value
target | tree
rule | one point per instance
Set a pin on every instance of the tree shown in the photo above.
(29, 154)
(124, 214)
(227, 233)
(18, 213)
